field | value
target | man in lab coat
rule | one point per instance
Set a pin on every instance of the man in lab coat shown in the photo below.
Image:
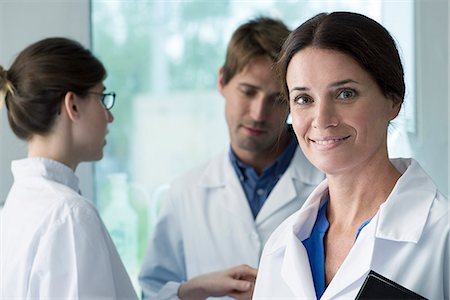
(216, 219)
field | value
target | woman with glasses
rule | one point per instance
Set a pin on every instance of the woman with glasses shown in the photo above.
(53, 242)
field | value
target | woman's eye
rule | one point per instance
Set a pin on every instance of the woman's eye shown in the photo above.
(302, 99)
(346, 94)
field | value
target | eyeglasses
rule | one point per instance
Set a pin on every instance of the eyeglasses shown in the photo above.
(108, 99)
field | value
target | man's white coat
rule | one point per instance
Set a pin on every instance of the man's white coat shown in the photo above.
(206, 224)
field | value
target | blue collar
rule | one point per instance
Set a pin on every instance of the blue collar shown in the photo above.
(257, 188)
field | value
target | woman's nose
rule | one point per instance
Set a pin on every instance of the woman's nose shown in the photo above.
(325, 116)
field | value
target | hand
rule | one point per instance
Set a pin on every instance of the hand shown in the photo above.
(237, 282)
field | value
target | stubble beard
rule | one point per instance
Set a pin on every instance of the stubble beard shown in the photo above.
(254, 145)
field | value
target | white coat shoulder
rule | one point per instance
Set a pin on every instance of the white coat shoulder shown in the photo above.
(54, 240)
(210, 174)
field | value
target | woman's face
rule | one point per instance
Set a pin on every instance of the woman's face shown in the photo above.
(94, 125)
(339, 114)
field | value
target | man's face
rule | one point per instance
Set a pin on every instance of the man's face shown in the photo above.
(254, 114)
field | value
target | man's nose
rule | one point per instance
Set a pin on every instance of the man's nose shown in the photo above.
(259, 108)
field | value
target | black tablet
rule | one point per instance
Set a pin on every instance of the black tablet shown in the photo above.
(377, 286)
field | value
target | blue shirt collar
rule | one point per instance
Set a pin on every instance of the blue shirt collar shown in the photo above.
(257, 188)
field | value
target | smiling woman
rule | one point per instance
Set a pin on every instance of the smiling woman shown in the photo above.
(343, 78)
(340, 116)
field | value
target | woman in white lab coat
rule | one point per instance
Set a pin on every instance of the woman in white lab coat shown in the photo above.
(53, 242)
(343, 78)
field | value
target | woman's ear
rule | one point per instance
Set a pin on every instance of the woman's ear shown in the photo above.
(396, 105)
(70, 106)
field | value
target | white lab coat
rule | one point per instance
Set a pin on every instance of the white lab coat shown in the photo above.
(53, 243)
(206, 224)
(407, 241)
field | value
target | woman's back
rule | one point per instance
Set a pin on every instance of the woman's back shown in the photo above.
(54, 244)
(53, 240)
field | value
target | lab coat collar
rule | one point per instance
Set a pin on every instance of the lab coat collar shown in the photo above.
(216, 172)
(394, 219)
(295, 269)
(392, 222)
(285, 191)
(47, 168)
(300, 224)
(397, 221)
(220, 173)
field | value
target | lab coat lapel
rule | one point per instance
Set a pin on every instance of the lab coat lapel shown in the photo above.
(357, 263)
(234, 198)
(283, 193)
(299, 175)
(407, 204)
(296, 271)
(296, 263)
(220, 178)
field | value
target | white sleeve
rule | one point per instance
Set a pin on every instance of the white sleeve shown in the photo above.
(446, 267)
(164, 266)
(75, 259)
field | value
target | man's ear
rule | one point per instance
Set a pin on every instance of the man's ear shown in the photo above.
(70, 106)
(220, 84)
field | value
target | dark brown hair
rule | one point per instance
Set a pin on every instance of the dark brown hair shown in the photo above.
(355, 35)
(262, 36)
(39, 78)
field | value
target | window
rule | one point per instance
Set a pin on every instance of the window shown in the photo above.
(163, 58)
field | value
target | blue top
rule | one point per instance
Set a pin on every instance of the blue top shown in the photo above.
(257, 188)
(316, 249)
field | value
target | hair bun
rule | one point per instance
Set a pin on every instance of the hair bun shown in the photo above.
(5, 85)
(2, 75)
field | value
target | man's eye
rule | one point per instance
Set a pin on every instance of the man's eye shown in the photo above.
(248, 92)
(277, 99)
(346, 94)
